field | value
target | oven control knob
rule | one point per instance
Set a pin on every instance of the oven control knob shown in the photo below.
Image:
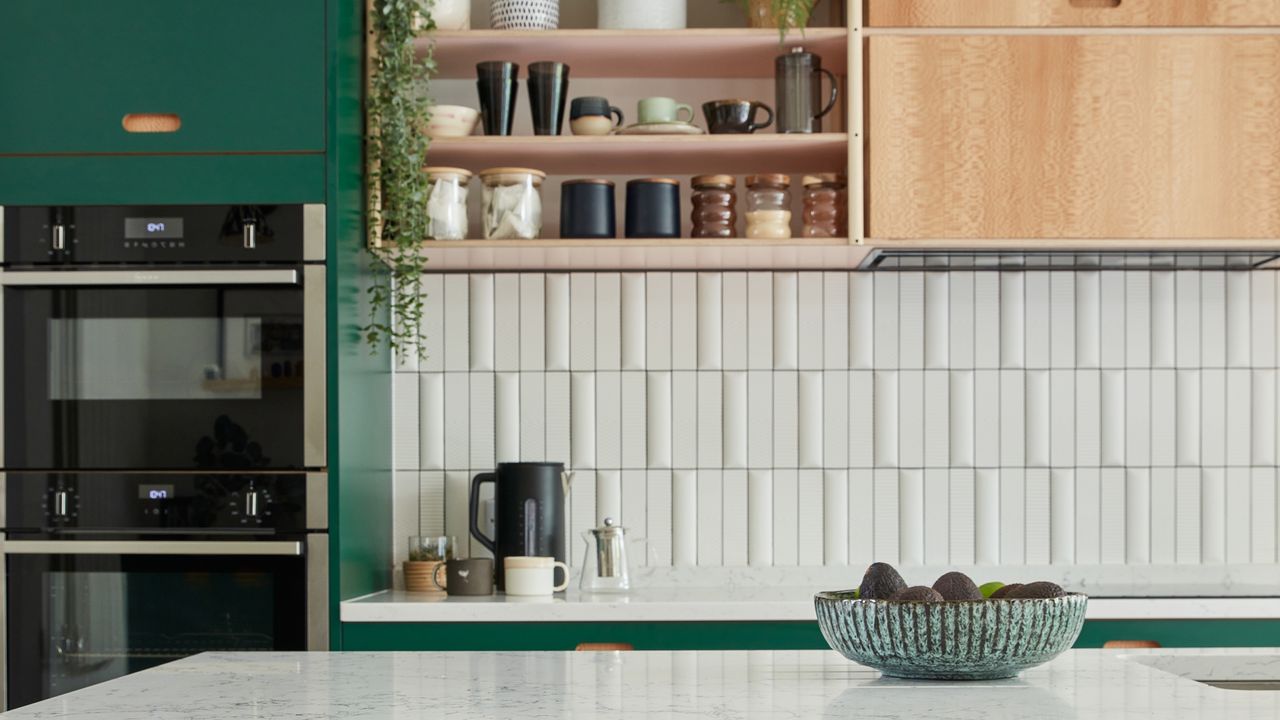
(252, 500)
(61, 504)
(59, 236)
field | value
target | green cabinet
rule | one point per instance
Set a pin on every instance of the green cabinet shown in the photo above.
(243, 76)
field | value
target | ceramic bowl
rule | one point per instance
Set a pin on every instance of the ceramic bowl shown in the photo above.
(449, 121)
(979, 640)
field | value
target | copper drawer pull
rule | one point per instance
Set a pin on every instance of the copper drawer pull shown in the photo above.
(151, 123)
(1095, 4)
(1130, 644)
(604, 647)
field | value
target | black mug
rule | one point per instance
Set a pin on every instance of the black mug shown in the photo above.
(498, 86)
(593, 116)
(470, 577)
(587, 209)
(735, 116)
(548, 92)
(653, 208)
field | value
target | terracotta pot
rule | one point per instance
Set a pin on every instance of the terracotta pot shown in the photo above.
(760, 14)
(417, 576)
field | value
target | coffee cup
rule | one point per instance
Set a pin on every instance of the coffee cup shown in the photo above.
(735, 116)
(471, 577)
(593, 116)
(449, 121)
(663, 110)
(529, 576)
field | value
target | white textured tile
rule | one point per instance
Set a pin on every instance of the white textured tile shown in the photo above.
(1239, 413)
(1062, 320)
(1038, 535)
(1112, 492)
(658, 516)
(582, 321)
(911, 518)
(659, 418)
(1038, 418)
(1213, 319)
(809, 321)
(1262, 503)
(431, 504)
(684, 518)
(1062, 418)
(960, 516)
(559, 414)
(608, 435)
(885, 538)
(658, 320)
(557, 316)
(684, 419)
(1164, 325)
(759, 321)
(786, 318)
(911, 320)
(960, 318)
(506, 322)
(835, 312)
(810, 419)
(886, 320)
(431, 421)
(481, 302)
(1213, 516)
(1163, 516)
(1088, 418)
(710, 420)
(735, 419)
(482, 420)
(885, 408)
(760, 414)
(734, 330)
(710, 317)
(986, 517)
(760, 518)
(861, 418)
(1239, 325)
(405, 419)
(1088, 516)
(960, 422)
(583, 509)
(1188, 424)
(1088, 319)
(835, 517)
(457, 412)
(432, 324)
(1137, 409)
(583, 420)
(986, 394)
(1037, 319)
(734, 524)
(861, 513)
(532, 321)
(635, 507)
(1137, 322)
(635, 423)
(937, 418)
(1187, 314)
(937, 519)
(1213, 417)
(1013, 509)
(1113, 315)
(862, 320)
(506, 417)
(457, 323)
(835, 419)
(1187, 532)
(1062, 520)
(608, 321)
(1012, 320)
(911, 418)
(609, 495)
(937, 320)
(1013, 441)
(1164, 417)
(533, 420)
(1239, 538)
(1137, 522)
(457, 505)
(786, 517)
(684, 321)
(809, 515)
(1113, 417)
(1262, 447)
(786, 421)
(405, 508)
(1263, 319)
(634, 325)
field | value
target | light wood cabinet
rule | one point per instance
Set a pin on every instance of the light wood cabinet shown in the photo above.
(1070, 136)
(1085, 13)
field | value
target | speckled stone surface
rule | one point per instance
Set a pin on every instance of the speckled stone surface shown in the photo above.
(1080, 684)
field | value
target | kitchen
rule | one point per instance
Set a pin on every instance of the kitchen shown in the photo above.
(986, 303)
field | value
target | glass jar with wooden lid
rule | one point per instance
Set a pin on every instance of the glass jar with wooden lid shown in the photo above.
(715, 206)
(447, 203)
(824, 211)
(512, 206)
(769, 206)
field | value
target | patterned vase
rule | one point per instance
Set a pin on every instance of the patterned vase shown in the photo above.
(524, 14)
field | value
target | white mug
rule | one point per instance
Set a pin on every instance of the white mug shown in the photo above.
(528, 576)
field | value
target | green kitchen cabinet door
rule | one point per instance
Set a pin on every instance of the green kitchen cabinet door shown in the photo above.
(242, 76)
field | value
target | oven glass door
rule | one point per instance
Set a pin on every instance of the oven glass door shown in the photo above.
(103, 374)
(74, 620)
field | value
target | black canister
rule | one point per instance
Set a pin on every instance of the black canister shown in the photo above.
(653, 208)
(587, 209)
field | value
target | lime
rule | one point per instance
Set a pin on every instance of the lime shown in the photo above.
(989, 588)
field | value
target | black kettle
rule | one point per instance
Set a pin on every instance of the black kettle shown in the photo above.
(529, 499)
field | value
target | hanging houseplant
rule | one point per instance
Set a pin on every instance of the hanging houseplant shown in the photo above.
(398, 107)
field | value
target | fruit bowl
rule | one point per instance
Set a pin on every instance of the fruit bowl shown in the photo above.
(956, 640)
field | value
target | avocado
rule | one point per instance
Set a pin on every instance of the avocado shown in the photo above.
(918, 593)
(1003, 593)
(988, 589)
(880, 581)
(1037, 591)
(957, 586)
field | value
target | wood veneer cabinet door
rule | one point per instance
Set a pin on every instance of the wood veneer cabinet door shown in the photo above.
(997, 136)
(1086, 13)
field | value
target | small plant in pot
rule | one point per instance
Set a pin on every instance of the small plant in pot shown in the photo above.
(781, 14)
(426, 556)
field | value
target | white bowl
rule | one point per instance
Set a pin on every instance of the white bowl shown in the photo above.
(450, 121)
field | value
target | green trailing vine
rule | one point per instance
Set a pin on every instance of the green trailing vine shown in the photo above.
(788, 14)
(397, 110)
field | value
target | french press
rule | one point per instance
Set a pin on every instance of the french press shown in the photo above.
(604, 565)
(798, 82)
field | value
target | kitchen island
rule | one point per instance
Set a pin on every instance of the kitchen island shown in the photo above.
(1087, 684)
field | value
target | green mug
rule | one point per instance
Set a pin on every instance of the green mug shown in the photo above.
(662, 110)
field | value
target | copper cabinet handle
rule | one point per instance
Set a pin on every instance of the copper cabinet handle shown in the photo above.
(1094, 4)
(604, 647)
(151, 123)
(1130, 644)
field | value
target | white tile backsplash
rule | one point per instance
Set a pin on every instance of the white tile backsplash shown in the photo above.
(795, 419)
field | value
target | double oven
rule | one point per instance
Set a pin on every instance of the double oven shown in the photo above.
(163, 488)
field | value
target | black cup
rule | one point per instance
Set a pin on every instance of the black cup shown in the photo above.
(548, 91)
(498, 85)
(735, 116)
(587, 209)
(653, 208)
(470, 577)
(588, 106)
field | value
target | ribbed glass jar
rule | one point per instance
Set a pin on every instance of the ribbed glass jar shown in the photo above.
(769, 206)
(715, 206)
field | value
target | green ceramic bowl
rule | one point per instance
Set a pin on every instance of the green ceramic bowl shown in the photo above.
(978, 640)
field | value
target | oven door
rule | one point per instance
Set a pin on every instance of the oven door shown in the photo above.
(80, 612)
(164, 369)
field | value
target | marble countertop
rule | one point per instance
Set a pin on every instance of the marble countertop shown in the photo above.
(718, 604)
(1084, 684)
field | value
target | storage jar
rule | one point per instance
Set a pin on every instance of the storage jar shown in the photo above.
(587, 209)
(715, 206)
(642, 14)
(823, 211)
(769, 206)
(512, 204)
(524, 14)
(447, 203)
(653, 208)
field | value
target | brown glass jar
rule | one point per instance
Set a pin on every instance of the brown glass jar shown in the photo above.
(715, 206)
(823, 206)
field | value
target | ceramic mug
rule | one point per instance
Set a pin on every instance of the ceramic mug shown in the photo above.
(593, 116)
(528, 576)
(735, 116)
(663, 110)
(452, 121)
(469, 577)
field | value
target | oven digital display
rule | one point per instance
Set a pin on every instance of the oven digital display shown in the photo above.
(164, 228)
(155, 492)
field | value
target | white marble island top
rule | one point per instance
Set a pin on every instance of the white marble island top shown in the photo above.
(1084, 684)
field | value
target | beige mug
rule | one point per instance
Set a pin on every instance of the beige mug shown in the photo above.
(530, 576)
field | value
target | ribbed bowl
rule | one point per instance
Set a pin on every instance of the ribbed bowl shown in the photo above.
(980, 640)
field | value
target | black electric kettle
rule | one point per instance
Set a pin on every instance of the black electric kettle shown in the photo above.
(529, 503)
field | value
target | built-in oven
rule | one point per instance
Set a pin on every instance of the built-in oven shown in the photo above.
(111, 573)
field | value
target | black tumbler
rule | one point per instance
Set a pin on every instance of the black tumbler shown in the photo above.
(548, 91)
(587, 209)
(653, 208)
(498, 85)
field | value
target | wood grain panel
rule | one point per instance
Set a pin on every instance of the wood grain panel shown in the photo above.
(1085, 13)
(1074, 136)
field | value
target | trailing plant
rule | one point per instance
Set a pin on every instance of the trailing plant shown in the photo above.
(397, 109)
(784, 14)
